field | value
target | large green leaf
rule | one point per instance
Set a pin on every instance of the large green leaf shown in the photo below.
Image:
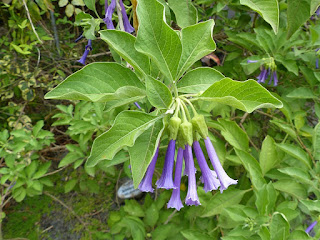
(246, 96)
(198, 80)
(279, 227)
(195, 234)
(268, 156)
(97, 82)
(298, 13)
(91, 4)
(197, 42)
(253, 168)
(291, 187)
(265, 199)
(186, 13)
(128, 126)
(311, 205)
(158, 93)
(156, 39)
(143, 150)
(268, 9)
(314, 5)
(123, 44)
(218, 202)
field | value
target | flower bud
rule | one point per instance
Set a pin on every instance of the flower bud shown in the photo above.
(173, 127)
(199, 124)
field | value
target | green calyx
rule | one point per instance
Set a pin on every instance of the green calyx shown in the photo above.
(173, 127)
(199, 124)
(185, 133)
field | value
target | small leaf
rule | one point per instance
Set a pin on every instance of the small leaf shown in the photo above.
(268, 9)
(295, 152)
(63, 3)
(198, 80)
(190, 234)
(158, 93)
(128, 126)
(91, 4)
(69, 10)
(152, 215)
(302, 93)
(69, 186)
(298, 13)
(96, 82)
(197, 42)
(156, 39)
(312, 205)
(316, 142)
(265, 199)
(186, 13)
(246, 96)
(219, 201)
(133, 208)
(279, 227)
(291, 187)
(268, 156)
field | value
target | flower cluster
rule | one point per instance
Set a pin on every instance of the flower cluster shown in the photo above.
(185, 135)
(267, 69)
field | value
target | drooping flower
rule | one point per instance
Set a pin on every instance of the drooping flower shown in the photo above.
(175, 200)
(165, 180)
(208, 176)
(109, 10)
(192, 195)
(79, 38)
(262, 76)
(311, 226)
(146, 183)
(225, 180)
(267, 69)
(137, 105)
(88, 48)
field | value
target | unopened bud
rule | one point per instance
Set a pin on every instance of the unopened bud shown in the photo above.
(186, 132)
(173, 127)
(199, 124)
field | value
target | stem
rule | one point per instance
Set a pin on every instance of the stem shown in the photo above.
(177, 109)
(175, 89)
(184, 118)
(191, 105)
(186, 110)
(31, 23)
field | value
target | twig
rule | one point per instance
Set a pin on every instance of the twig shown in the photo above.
(117, 185)
(70, 209)
(47, 229)
(29, 17)
(54, 172)
(170, 217)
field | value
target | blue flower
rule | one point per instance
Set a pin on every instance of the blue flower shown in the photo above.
(88, 48)
(165, 180)
(146, 183)
(312, 225)
(175, 200)
(267, 70)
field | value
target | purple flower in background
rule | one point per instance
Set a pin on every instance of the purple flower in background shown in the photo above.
(267, 71)
(165, 180)
(208, 178)
(252, 61)
(263, 75)
(312, 225)
(273, 78)
(146, 183)
(127, 26)
(79, 38)
(175, 200)
(225, 180)
(86, 52)
(137, 105)
(108, 16)
(192, 195)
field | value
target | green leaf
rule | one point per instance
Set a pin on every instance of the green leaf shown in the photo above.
(186, 14)
(285, 127)
(290, 65)
(311, 205)
(143, 150)
(123, 44)
(265, 199)
(299, 234)
(316, 142)
(234, 134)
(291, 187)
(63, 3)
(152, 215)
(190, 234)
(91, 4)
(158, 93)
(70, 185)
(128, 126)
(219, 201)
(253, 168)
(246, 96)
(295, 152)
(297, 173)
(156, 39)
(69, 10)
(133, 208)
(268, 156)
(302, 93)
(198, 80)
(268, 9)
(314, 6)
(36, 128)
(279, 227)
(42, 170)
(298, 13)
(197, 42)
(96, 82)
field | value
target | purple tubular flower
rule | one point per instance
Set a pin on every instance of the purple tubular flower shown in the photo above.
(165, 180)
(82, 60)
(137, 105)
(146, 183)
(192, 195)
(252, 61)
(175, 201)
(210, 181)
(79, 38)
(262, 76)
(271, 78)
(312, 225)
(275, 79)
(108, 16)
(224, 179)
(127, 26)
(317, 63)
